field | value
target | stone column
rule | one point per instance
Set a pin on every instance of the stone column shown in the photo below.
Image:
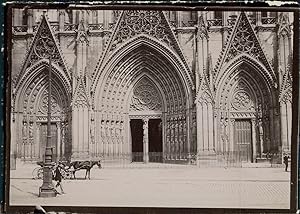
(107, 138)
(13, 150)
(58, 144)
(102, 137)
(289, 126)
(205, 128)
(258, 18)
(30, 21)
(189, 134)
(145, 140)
(38, 143)
(92, 149)
(127, 148)
(231, 135)
(24, 138)
(75, 132)
(61, 20)
(63, 136)
(261, 136)
(211, 130)
(253, 127)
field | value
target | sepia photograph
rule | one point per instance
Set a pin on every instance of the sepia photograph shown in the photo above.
(150, 108)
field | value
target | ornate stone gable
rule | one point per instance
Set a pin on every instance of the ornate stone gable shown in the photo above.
(80, 97)
(145, 97)
(149, 22)
(243, 41)
(42, 47)
(133, 23)
(285, 94)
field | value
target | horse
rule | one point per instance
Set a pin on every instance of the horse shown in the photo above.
(87, 165)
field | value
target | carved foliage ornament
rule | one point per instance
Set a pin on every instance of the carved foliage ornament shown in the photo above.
(145, 97)
(135, 22)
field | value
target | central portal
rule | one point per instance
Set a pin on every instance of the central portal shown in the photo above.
(146, 140)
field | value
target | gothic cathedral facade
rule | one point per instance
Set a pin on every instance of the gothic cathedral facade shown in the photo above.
(152, 86)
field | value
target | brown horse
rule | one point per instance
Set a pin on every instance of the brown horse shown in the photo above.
(87, 165)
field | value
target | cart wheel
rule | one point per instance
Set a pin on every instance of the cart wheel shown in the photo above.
(40, 173)
(68, 175)
(35, 173)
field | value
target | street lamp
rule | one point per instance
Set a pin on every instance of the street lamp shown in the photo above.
(45, 48)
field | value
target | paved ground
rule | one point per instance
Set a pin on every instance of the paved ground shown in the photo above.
(162, 186)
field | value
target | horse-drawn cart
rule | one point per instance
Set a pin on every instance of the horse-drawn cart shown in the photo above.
(67, 169)
(38, 172)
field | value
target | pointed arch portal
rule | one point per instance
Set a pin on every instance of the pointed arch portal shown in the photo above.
(247, 119)
(29, 115)
(142, 84)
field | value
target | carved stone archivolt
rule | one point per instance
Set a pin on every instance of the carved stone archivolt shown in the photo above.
(145, 97)
(136, 65)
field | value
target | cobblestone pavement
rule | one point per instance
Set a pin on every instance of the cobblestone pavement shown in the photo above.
(186, 186)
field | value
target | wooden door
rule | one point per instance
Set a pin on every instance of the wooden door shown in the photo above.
(243, 140)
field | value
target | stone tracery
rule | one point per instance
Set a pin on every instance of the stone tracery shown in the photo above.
(145, 97)
(136, 22)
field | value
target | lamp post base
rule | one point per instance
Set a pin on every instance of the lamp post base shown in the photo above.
(47, 192)
(47, 189)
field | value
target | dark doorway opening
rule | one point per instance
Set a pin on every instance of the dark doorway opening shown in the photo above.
(155, 140)
(136, 126)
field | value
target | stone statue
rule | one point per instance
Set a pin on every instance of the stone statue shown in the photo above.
(117, 132)
(92, 131)
(121, 131)
(24, 131)
(107, 131)
(30, 131)
(260, 126)
(145, 129)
